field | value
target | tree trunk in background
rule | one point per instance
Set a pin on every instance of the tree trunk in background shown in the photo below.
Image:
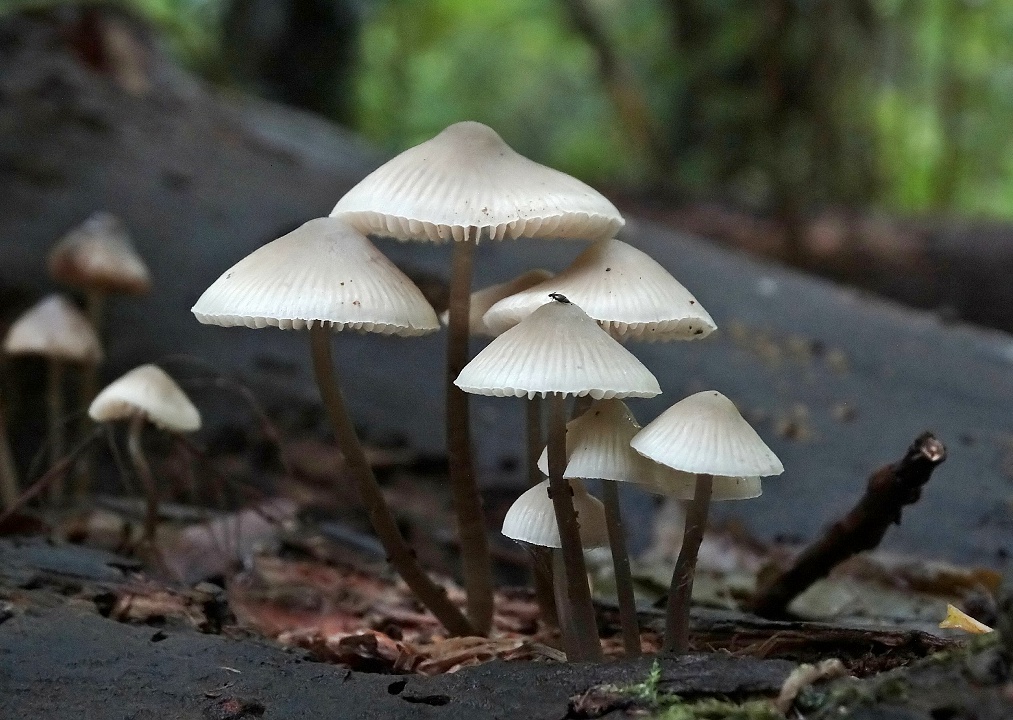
(297, 52)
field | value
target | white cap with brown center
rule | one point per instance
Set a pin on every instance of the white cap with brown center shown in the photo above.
(705, 434)
(532, 519)
(323, 272)
(54, 328)
(467, 183)
(98, 255)
(557, 349)
(147, 390)
(621, 287)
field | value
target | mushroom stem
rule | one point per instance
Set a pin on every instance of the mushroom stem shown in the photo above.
(400, 554)
(8, 471)
(680, 594)
(54, 407)
(586, 644)
(476, 562)
(542, 573)
(621, 567)
(84, 472)
(564, 619)
(140, 462)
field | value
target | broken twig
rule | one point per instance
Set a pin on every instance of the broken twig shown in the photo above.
(890, 488)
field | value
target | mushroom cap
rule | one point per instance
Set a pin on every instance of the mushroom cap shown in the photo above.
(148, 390)
(598, 446)
(532, 518)
(482, 300)
(704, 433)
(323, 272)
(682, 485)
(557, 349)
(623, 288)
(98, 255)
(54, 328)
(467, 183)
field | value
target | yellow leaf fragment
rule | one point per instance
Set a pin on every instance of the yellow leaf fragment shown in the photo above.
(957, 618)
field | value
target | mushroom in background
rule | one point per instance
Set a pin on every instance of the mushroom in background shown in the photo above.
(56, 330)
(467, 185)
(705, 435)
(326, 276)
(146, 394)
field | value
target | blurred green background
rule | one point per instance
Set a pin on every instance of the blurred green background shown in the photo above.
(779, 106)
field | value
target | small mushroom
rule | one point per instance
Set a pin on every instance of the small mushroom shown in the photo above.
(705, 435)
(558, 351)
(326, 277)
(56, 330)
(146, 394)
(467, 185)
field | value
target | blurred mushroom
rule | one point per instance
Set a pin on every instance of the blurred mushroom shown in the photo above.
(56, 330)
(326, 277)
(703, 434)
(146, 394)
(467, 185)
(558, 351)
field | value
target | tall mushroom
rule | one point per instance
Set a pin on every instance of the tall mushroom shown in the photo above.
(598, 446)
(466, 185)
(98, 258)
(558, 351)
(327, 277)
(56, 330)
(703, 434)
(146, 394)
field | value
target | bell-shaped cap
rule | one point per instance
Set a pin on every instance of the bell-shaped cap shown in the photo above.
(682, 485)
(98, 255)
(623, 288)
(598, 446)
(532, 518)
(467, 183)
(557, 349)
(705, 433)
(150, 391)
(54, 328)
(323, 272)
(482, 300)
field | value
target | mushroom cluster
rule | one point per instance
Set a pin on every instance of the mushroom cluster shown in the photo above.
(553, 337)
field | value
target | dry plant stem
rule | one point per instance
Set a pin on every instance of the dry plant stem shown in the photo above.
(621, 566)
(680, 594)
(54, 408)
(541, 574)
(889, 489)
(144, 476)
(8, 472)
(54, 473)
(399, 554)
(587, 644)
(476, 563)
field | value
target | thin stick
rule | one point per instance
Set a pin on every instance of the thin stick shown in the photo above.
(400, 554)
(585, 624)
(621, 567)
(541, 573)
(54, 408)
(144, 475)
(680, 594)
(889, 489)
(476, 562)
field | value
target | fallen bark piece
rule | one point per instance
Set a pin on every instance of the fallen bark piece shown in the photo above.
(890, 488)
